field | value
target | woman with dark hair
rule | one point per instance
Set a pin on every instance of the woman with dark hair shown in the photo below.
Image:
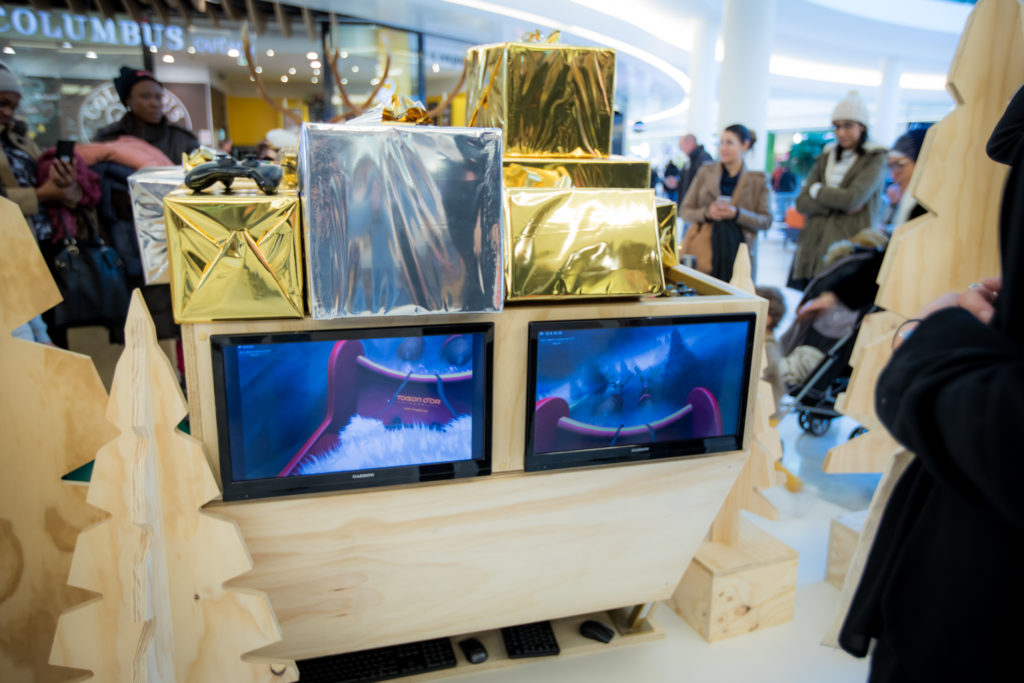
(726, 205)
(843, 192)
(143, 95)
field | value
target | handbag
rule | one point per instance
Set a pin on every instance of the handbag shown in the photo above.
(697, 242)
(92, 282)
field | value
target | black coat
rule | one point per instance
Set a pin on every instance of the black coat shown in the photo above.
(686, 176)
(170, 138)
(942, 590)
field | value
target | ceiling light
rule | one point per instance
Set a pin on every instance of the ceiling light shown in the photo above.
(344, 55)
(315, 64)
(258, 69)
(435, 67)
(311, 56)
(355, 69)
(284, 79)
(374, 81)
(252, 78)
(66, 45)
(191, 49)
(233, 53)
(291, 71)
(316, 72)
(344, 81)
(153, 49)
(88, 55)
(8, 50)
(168, 59)
(797, 138)
(315, 79)
(270, 53)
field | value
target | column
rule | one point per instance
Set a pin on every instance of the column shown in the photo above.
(886, 128)
(748, 35)
(703, 97)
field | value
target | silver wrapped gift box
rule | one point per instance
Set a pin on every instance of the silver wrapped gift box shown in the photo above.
(401, 219)
(148, 187)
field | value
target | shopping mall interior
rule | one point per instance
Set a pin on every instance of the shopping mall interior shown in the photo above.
(248, 77)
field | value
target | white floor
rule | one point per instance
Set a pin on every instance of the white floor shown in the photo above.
(784, 654)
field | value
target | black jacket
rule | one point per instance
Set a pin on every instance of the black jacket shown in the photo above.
(942, 587)
(171, 139)
(686, 176)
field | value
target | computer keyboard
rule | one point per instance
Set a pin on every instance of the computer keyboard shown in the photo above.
(379, 664)
(530, 640)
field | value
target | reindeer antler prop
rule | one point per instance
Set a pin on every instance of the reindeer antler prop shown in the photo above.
(353, 110)
(250, 60)
(447, 101)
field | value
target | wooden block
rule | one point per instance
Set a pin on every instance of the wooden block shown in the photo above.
(729, 590)
(869, 452)
(843, 536)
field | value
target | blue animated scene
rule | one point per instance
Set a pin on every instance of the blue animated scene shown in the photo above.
(332, 406)
(638, 385)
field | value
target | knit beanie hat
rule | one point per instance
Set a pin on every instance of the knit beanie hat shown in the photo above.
(851, 108)
(909, 144)
(8, 81)
(127, 80)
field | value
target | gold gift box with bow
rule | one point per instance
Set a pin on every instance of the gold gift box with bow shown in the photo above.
(548, 99)
(667, 234)
(565, 244)
(234, 255)
(616, 172)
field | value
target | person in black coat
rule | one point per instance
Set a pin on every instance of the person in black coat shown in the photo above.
(698, 156)
(942, 584)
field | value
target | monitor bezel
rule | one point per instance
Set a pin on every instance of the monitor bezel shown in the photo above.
(247, 489)
(614, 455)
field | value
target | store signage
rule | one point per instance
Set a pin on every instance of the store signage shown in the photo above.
(79, 28)
(102, 107)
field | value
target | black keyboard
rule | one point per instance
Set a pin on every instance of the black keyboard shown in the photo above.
(530, 640)
(379, 664)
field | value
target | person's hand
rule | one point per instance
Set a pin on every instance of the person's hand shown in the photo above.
(50, 191)
(62, 173)
(894, 193)
(822, 302)
(978, 300)
(720, 211)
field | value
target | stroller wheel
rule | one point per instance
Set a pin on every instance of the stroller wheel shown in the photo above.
(813, 424)
(857, 431)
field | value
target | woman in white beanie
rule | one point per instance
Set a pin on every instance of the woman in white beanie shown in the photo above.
(843, 192)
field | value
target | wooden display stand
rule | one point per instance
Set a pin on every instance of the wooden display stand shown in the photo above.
(954, 244)
(843, 537)
(374, 567)
(742, 579)
(51, 423)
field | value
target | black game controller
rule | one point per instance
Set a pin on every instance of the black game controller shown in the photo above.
(225, 169)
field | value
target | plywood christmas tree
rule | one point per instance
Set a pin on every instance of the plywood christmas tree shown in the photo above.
(159, 562)
(954, 244)
(51, 422)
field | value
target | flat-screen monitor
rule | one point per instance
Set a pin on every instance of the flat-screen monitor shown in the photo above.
(612, 391)
(301, 412)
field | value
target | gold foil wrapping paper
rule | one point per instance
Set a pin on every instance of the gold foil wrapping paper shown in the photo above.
(667, 232)
(549, 100)
(148, 187)
(616, 172)
(563, 244)
(234, 255)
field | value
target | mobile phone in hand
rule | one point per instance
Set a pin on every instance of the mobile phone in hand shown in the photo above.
(66, 150)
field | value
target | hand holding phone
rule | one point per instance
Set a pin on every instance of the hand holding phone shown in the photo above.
(66, 151)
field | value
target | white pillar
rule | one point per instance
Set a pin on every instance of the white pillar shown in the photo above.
(748, 35)
(703, 97)
(886, 128)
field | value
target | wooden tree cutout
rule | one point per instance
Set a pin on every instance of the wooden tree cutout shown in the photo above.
(159, 562)
(51, 422)
(765, 446)
(954, 244)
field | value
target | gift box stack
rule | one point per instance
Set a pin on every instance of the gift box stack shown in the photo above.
(577, 221)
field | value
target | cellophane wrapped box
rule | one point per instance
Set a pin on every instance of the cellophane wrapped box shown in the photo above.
(667, 232)
(148, 187)
(614, 172)
(548, 99)
(235, 255)
(577, 243)
(401, 219)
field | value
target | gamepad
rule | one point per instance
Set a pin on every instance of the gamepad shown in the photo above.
(224, 169)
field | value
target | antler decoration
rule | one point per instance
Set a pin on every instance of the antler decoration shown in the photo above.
(250, 60)
(447, 101)
(353, 110)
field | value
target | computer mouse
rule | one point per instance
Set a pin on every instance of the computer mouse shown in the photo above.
(474, 650)
(595, 630)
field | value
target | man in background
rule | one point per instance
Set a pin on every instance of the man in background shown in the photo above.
(698, 157)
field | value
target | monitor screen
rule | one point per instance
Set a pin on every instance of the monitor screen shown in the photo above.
(324, 410)
(608, 391)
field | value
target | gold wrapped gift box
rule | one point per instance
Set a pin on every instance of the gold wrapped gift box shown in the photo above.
(667, 235)
(549, 100)
(234, 255)
(616, 172)
(563, 244)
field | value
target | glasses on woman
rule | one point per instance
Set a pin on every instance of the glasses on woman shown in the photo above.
(897, 164)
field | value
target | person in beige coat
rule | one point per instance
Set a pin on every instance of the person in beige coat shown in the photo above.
(843, 192)
(725, 205)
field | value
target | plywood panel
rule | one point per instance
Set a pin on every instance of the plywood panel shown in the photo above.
(843, 537)
(346, 572)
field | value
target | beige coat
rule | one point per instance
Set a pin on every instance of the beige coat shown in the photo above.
(24, 197)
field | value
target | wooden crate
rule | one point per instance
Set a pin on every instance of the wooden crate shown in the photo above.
(729, 590)
(843, 537)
